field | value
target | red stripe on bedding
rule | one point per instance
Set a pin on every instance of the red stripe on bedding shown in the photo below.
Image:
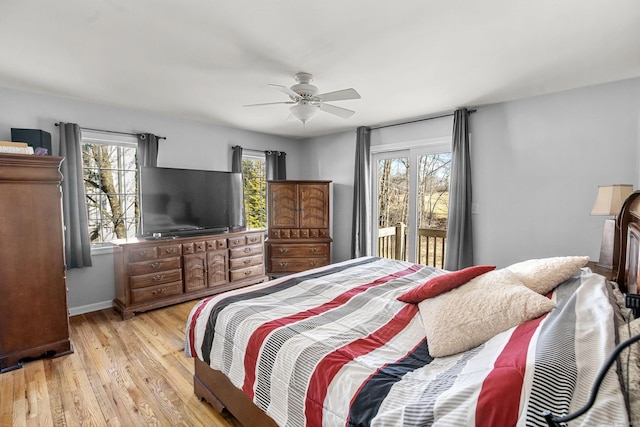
(499, 400)
(331, 364)
(258, 337)
(192, 326)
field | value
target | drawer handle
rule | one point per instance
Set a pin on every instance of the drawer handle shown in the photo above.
(313, 263)
(247, 250)
(156, 265)
(158, 292)
(284, 264)
(170, 250)
(236, 242)
(247, 261)
(284, 250)
(314, 250)
(142, 253)
(157, 277)
(253, 239)
(248, 272)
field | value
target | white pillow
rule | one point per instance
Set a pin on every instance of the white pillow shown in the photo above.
(543, 275)
(465, 317)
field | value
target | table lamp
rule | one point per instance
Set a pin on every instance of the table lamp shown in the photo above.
(609, 202)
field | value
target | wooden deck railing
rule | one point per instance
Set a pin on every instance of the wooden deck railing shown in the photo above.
(392, 243)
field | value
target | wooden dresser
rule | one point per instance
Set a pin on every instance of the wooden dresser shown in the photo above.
(34, 318)
(298, 231)
(155, 273)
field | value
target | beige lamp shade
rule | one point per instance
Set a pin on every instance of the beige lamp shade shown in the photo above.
(610, 199)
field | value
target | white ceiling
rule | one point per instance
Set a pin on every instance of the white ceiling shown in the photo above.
(205, 59)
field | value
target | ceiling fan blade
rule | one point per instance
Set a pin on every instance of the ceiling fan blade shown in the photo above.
(338, 111)
(286, 90)
(269, 103)
(339, 95)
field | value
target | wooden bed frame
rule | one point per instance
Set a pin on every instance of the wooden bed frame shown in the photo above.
(227, 396)
(215, 388)
(626, 248)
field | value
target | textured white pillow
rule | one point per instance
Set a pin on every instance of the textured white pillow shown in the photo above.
(543, 275)
(465, 317)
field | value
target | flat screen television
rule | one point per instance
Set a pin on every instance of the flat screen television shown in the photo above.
(181, 202)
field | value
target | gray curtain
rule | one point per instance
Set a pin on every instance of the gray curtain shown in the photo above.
(362, 221)
(77, 245)
(236, 159)
(275, 165)
(147, 149)
(459, 246)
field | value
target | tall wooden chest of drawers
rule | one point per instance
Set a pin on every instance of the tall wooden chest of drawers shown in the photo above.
(299, 235)
(155, 273)
(34, 319)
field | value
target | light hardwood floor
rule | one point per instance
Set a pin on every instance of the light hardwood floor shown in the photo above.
(122, 373)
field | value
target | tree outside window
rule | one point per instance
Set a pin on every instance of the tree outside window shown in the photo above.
(110, 174)
(255, 190)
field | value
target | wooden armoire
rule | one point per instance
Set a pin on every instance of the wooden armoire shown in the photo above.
(34, 320)
(299, 236)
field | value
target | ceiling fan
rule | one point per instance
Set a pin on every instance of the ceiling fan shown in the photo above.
(306, 101)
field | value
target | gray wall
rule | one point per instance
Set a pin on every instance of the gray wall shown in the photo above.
(189, 144)
(536, 164)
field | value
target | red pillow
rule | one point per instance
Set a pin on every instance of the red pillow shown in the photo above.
(443, 283)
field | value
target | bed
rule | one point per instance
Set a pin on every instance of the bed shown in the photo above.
(341, 346)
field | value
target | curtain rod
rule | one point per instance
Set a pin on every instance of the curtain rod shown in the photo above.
(418, 120)
(257, 151)
(116, 132)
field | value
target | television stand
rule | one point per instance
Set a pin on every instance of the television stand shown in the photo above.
(155, 273)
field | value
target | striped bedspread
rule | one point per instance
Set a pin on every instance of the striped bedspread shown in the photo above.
(334, 347)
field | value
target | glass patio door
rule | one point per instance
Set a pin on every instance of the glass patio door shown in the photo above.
(411, 193)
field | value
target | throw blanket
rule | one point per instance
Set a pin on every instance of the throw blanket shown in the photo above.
(334, 347)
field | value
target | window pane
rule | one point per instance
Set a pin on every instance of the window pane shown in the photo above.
(111, 188)
(393, 191)
(255, 188)
(434, 171)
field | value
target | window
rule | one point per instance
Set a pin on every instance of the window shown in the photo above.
(110, 173)
(255, 189)
(411, 197)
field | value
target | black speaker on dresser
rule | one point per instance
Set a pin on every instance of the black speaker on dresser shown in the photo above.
(34, 137)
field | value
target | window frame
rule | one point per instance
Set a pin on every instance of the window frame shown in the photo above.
(257, 155)
(110, 139)
(412, 150)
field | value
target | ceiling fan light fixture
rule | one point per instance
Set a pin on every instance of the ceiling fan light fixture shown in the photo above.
(303, 111)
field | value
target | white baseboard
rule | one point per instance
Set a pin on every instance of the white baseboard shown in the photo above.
(74, 311)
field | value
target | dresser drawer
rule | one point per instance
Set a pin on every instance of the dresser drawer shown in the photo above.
(299, 250)
(246, 251)
(153, 252)
(158, 292)
(244, 273)
(254, 238)
(168, 251)
(143, 254)
(292, 265)
(234, 242)
(159, 264)
(246, 261)
(156, 278)
(213, 245)
(191, 248)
